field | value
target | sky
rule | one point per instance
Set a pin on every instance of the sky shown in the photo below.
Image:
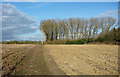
(21, 20)
(60, 0)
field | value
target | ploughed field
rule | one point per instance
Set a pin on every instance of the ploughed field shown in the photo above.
(33, 59)
(12, 55)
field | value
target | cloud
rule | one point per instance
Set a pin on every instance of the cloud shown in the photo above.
(32, 36)
(113, 13)
(15, 23)
(60, 0)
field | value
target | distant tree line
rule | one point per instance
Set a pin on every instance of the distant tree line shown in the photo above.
(21, 42)
(76, 28)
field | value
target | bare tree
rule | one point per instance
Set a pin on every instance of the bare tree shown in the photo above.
(85, 29)
(102, 23)
(82, 27)
(71, 27)
(90, 27)
(111, 22)
(96, 23)
(74, 28)
(64, 29)
(67, 30)
(60, 29)
(78, 28)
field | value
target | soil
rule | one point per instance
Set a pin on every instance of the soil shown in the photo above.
(65, 59)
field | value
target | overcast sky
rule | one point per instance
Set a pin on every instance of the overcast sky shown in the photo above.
(20, 20)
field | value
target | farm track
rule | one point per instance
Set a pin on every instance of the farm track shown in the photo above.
(39, 62)
(29, 60)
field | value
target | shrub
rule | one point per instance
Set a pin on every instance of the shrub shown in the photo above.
(60, 41)
(89, 40)
(69, 42)
(56, 42)
(81, 41)
(101, 39)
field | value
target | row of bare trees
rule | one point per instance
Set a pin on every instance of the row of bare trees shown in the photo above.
(76, 28)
